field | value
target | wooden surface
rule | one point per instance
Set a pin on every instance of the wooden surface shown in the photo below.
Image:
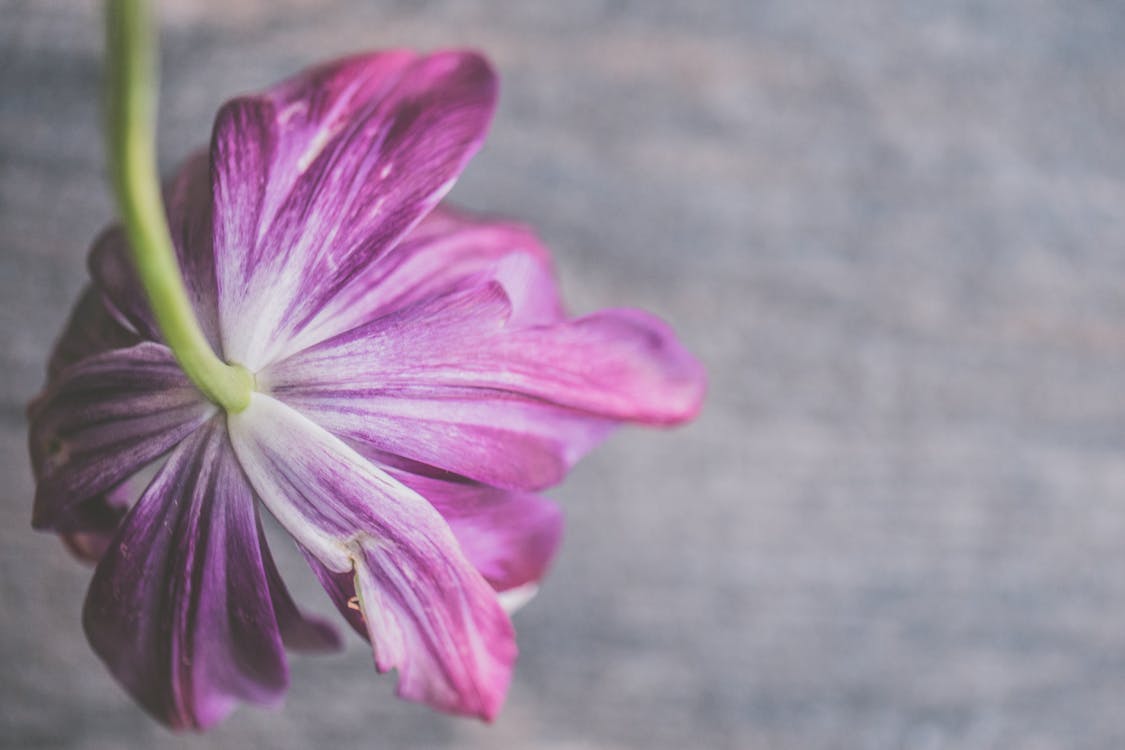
(895, 231)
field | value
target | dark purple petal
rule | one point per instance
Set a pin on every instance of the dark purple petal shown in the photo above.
(427, 611)
(453, 383)
(449, 251)
(98, 519)
(510, 537)
(90, 330)
(317, 177)
(188, 201)
(114, 314)
(299, 632)
(179, 608)
(341, 590)
(101, 421)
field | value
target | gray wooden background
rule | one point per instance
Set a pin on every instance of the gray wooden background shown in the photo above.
(895, 231)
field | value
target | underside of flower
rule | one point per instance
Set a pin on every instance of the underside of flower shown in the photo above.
(417, 382)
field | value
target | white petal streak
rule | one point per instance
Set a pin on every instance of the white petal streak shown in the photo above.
(515, 599)
(266, 430)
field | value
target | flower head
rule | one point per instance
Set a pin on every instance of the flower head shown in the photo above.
(416, 383)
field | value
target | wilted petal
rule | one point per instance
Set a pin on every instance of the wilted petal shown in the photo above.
(180, 608)
(452, 383)
(101, 421)
(448, 252)
(349, 163)
(188, 201)
(428, 613)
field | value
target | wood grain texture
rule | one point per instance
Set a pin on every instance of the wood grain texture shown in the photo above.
(895, 231)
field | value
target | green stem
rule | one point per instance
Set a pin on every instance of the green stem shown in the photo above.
(131, 59)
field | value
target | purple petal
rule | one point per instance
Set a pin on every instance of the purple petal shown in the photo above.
(492, 437)
(109, 315)
(341, 590)
(90, 330)
(427, 611)
(315, 178)
(97, 519)
(439, 625)
(179, 608)
(449, 251)
(299, 632)
(453, 383)
(101, 421)
(188, 201)
(510, 537)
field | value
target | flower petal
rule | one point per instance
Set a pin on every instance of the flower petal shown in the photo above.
(299, 631)
(428, 613)
(179, 608)
(96, 521)
(101, 421)
(452, 383)
(90, 330)
(188, 202)
(341, 590)
(447, 252)
(315, 178)
(510, 537)
(444, 630)
(492, 437)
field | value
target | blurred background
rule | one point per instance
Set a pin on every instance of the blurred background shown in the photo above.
(894, 231)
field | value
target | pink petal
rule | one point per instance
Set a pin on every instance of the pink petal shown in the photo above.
(100, 422)
(427, 611)
(451, 382)
(180, 608)
(317, 177)
(443, 630)
(510, 537)
(493, 437)
(448, 251)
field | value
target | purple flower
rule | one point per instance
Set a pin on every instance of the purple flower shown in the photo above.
(417, 381)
